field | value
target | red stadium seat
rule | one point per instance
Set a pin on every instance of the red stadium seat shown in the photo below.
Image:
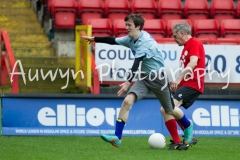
(117, 9)
(64, 13)
(238, 10)
(119, 28)
(166, 40)
(101, 27)
(90, 9)
(172, 22)
(146, 8)
(195, 10)
(230, 28)
(222, 9)
(229, 41)
(155, 27)
(161, 39)
(170, 9)
(224, 41)
(206, 29)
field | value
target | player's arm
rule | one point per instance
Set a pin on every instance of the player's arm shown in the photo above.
(108, 40)
(124, 86)
(134, 69)
(187, 70)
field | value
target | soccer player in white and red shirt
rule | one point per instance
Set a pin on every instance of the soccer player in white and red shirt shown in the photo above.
(189, 84)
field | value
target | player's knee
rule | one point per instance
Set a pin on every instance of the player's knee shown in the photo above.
(162, 111)
(169, 112)
(166, 112)
(128, 101)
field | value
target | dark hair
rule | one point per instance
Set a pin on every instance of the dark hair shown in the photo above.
(137, 20)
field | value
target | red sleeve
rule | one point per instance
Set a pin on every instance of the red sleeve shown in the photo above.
(193, 49)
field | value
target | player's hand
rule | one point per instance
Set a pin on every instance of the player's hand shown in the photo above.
(124, 87)
(174, 85)
(88, 39)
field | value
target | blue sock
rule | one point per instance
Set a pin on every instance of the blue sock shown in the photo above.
(119, 128)
(185, 122)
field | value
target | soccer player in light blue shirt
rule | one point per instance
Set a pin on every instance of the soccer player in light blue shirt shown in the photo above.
(145, 47)
(151, 77)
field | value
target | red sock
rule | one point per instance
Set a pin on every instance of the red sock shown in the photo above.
(180, 124)
(172, 128)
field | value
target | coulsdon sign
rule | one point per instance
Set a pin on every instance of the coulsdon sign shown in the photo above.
(222, 62)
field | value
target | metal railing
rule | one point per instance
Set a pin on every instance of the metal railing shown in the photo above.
(8, 63)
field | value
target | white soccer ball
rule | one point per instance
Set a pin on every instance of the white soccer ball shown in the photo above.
(157, 141)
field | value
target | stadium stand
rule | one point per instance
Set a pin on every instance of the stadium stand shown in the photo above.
(146, 8)
(154, 9)
(222, 9)
(64, 13)
(222, 41)
(119, 28)
(117, 9)
(156, 27)
(206, 29)
(90, 9)
(230, 28)
(170, 9)
(101, 27)
(32, 47)
(238, 10)
(195, 10)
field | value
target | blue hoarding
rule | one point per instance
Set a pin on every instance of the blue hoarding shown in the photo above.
(89, 117)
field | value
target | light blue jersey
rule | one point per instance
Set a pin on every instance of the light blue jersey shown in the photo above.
(145, 47)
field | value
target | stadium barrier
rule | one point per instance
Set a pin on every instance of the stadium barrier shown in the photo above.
(7, 62)
(92, 115)
(85, 61)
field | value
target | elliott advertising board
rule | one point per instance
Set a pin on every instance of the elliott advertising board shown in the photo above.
(92, 117)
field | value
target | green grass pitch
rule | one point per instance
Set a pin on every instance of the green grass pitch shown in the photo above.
(94, 148)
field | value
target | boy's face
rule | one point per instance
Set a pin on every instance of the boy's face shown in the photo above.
(130, 27)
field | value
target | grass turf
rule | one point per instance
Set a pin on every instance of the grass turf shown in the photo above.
(94, 148)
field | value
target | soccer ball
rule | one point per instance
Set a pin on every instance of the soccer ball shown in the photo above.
(157, 141)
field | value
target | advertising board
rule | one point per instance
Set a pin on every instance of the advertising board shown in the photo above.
(92, 117)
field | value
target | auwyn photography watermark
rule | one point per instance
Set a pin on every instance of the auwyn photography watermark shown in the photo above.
(156, 74)
(50, 73)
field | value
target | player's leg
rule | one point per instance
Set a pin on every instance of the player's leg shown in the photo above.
(187, 124)
(188, 95)
(115, 139)
(136, 92)
(194, 140)
(124, 113)
(164, 96)
(173, 112)
(177, 113)
(171, 125)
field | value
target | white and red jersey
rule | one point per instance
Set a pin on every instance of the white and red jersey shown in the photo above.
(193, 47)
